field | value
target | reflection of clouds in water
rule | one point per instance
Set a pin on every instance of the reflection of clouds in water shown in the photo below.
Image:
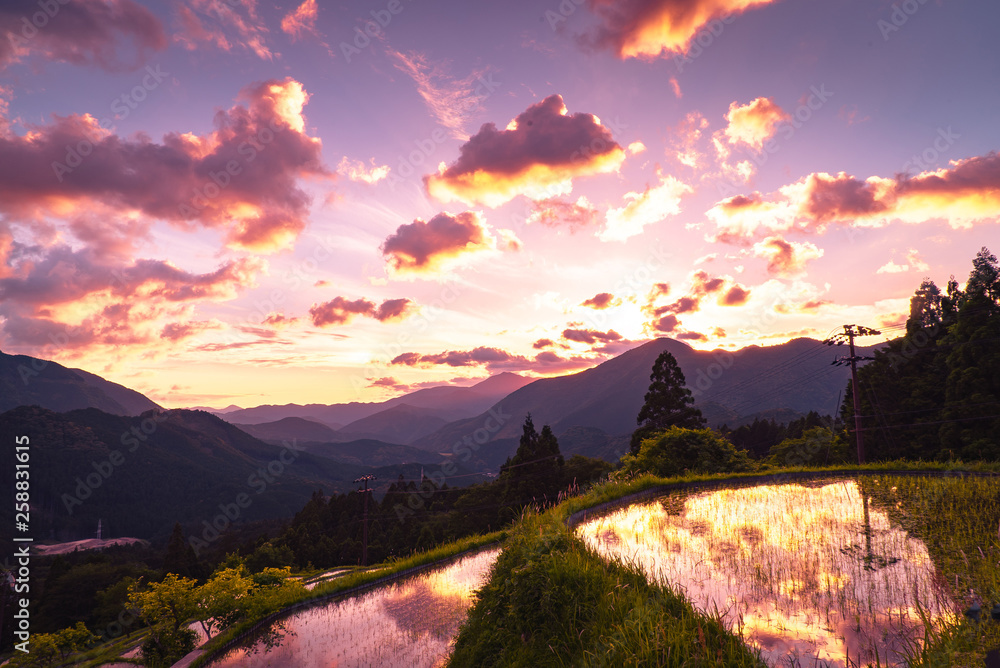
(802, 570)
(408, 606)
(409, 623)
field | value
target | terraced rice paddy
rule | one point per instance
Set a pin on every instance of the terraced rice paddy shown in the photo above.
(411, 622)
(807, 572)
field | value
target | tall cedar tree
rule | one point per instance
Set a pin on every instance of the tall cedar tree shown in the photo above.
(668, 402)
(933, 393)
(535, 472)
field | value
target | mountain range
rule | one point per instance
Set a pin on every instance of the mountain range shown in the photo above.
(26, 381)
(198, 460)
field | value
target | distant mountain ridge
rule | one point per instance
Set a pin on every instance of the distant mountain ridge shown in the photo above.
(447, 402)
(141, 474)
(29, 381)
(728, 386)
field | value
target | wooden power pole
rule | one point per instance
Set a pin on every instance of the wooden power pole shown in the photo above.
(851, 331)
(366, 492)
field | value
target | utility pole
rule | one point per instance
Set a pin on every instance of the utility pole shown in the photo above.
(366, 492)
(851, 331)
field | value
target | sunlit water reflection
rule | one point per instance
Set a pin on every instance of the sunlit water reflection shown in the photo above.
(808, 572)
(411, 623)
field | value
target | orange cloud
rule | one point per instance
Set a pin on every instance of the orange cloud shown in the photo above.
(426, 247)
(702, 285)
(687, 134)
(301, 20)
(786, 258)
(965, 193)
(649, 28)
(216, 181)
(602, 300)
(554, 212)
(80, 300)
(735, 296)
(538, 154)
(754, 123)
(356, 170)
(645, 208)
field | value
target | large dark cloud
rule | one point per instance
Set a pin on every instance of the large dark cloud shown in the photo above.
(339, 310)
(240, 179)
(590, 336)
(423, 247)
(496, 359)
(538, 153)
(81, 32)
(648, 28)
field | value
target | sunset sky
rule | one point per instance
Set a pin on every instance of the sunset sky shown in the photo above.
(235, 201)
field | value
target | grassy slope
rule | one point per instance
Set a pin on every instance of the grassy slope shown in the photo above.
(551, 601)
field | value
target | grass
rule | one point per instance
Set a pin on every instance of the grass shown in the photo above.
(551, 601)
(959, 521)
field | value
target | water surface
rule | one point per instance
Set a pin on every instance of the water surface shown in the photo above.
(409, 623)
(808, 571)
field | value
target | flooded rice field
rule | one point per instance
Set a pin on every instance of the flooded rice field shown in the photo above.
(411, 622)
(807, 572)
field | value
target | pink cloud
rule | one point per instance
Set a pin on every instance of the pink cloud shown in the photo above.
(590, 336)
(538, 154)
(217, 181)
(425, 247)
(301, 20)
(339, 310)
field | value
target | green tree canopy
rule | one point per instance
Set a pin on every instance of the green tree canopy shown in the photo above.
(934, 393)
(678, 450)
